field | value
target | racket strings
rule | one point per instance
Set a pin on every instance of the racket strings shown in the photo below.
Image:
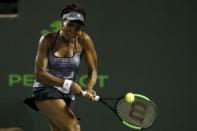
(140, 113)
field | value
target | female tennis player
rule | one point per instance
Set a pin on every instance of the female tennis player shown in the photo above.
(56, 66)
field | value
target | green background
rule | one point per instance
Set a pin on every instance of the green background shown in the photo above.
(144, 46)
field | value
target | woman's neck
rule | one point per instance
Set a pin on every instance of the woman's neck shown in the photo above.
(65, 38)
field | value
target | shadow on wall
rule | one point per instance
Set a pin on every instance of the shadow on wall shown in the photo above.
(11, 129)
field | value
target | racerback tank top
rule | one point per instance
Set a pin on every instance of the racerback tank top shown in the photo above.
(61, 67)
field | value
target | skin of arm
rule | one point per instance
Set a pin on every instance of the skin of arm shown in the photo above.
(91, 60)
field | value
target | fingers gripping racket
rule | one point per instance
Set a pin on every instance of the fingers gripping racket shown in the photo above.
(139, 114)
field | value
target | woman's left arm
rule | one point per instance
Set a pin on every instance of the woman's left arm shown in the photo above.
(91, 60)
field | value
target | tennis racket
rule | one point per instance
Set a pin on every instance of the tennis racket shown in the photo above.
(140, 114)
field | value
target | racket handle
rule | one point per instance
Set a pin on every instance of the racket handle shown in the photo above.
(96, 98)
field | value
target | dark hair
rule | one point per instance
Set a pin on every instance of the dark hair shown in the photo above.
(73, 7)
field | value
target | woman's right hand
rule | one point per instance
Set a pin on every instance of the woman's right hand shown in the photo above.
(77, 90)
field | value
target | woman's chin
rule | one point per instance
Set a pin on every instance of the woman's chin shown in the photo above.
(71, 38)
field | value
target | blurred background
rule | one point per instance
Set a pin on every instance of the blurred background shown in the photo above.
(143, 46)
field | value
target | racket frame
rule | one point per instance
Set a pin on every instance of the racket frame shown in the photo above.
(102, 100)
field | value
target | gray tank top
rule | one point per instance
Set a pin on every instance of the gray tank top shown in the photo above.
(61, 67)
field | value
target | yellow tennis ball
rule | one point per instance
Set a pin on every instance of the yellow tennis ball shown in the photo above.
(130, 97)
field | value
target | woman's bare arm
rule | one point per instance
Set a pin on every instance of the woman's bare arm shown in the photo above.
(91, 59)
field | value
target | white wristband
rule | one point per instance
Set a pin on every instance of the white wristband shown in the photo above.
(67, 84)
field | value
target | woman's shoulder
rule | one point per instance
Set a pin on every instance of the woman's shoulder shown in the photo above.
(85, 40)
(49, 36)
(83, 37)
(48, 39)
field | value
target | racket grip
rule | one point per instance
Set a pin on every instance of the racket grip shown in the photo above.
(96, 98)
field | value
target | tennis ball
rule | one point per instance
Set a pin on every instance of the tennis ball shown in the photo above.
(130, 97)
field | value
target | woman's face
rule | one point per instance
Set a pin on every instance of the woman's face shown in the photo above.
(70, 28)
